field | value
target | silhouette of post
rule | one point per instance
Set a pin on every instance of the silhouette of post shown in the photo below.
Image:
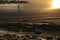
(21, 2)
(18, 4)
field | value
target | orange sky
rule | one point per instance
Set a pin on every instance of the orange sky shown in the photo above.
(37, 5)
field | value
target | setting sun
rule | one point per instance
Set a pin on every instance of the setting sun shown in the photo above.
(55, 4)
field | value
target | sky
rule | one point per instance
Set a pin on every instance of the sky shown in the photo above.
(36, 5)
(32, 7)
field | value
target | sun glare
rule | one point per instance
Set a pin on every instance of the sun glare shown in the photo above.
(55, 4)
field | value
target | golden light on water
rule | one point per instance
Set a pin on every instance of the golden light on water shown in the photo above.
(55, 4)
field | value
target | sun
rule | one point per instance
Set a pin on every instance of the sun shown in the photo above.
(55, 4)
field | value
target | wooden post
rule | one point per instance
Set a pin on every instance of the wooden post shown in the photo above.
(18, 4)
